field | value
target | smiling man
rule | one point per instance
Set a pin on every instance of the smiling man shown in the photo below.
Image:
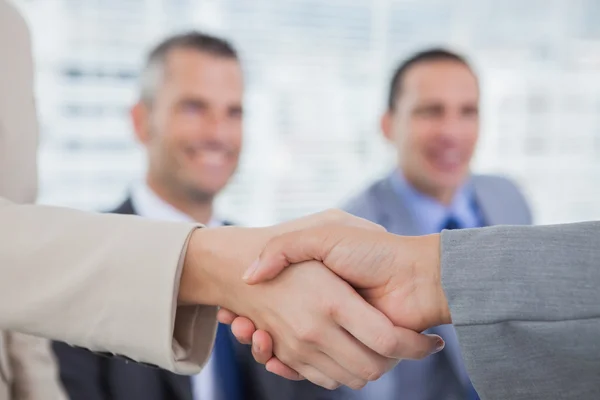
(432, 120)
(189, 120)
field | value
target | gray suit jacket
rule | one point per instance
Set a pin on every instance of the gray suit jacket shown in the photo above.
(499, 200)
(528, 324)
(439, 376)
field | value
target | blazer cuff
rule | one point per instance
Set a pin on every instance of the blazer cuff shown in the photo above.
(461, 272)
(194, 330)
(162, 334)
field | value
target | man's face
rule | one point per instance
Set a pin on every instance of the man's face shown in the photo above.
(193, 129)
(435, 125)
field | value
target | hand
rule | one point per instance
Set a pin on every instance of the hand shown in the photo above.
(248, 238)
(322, 328)
(398, 275)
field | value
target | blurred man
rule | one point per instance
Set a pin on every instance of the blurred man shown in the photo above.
(189, 119)
(432, 119)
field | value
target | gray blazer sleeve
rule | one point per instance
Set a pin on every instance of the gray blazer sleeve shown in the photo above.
(525, 302)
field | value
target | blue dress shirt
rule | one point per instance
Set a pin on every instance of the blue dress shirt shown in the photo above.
(430, 214)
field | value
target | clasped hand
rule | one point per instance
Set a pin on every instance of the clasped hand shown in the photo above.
(307, 323)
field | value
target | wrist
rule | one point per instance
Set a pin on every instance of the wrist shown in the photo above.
(425, 280)
(215, 262)
(432, 268)
(196, 284)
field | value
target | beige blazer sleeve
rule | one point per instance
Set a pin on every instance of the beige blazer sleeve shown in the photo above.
(526, 307)
(105, 282)
(29, 369)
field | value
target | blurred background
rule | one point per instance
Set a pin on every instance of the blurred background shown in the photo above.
(316, 80)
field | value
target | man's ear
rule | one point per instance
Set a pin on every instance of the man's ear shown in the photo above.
(386, 126)
(139, 114)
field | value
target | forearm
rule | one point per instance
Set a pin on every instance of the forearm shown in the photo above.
(105, 282)
(526, 307)
(544, 273)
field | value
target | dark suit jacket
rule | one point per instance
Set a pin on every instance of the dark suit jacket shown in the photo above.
(87, 376)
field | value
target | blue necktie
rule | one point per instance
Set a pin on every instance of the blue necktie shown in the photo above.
(452, 223)
(229, 383)
(472, 393)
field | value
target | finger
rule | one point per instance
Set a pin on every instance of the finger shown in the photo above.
(275, 366)
(326, 372)
(225, 316)
(318, 378)
(262, 346)
(374, 330)
(358, 359)
(285, 249)
(278, 254)
(416, 346)
(243, 329)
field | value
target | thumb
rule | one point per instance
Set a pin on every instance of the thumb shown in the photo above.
(286, 249)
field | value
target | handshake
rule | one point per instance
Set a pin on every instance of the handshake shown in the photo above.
(330, 298)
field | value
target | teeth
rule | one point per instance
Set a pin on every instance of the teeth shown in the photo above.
(450, 157)
(213, 157)
(447, 158)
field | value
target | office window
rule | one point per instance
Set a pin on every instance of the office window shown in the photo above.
(317, 75)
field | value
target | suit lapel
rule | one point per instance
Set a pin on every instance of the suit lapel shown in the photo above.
(393, 213)
(125, 208)
(489, 204)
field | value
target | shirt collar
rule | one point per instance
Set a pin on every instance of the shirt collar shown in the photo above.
(430, 213)
(147, 204)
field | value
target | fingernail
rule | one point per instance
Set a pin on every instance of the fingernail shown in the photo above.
(251, 270)
(439, 344)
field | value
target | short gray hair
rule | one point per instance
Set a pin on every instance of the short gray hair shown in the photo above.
(153, 70)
